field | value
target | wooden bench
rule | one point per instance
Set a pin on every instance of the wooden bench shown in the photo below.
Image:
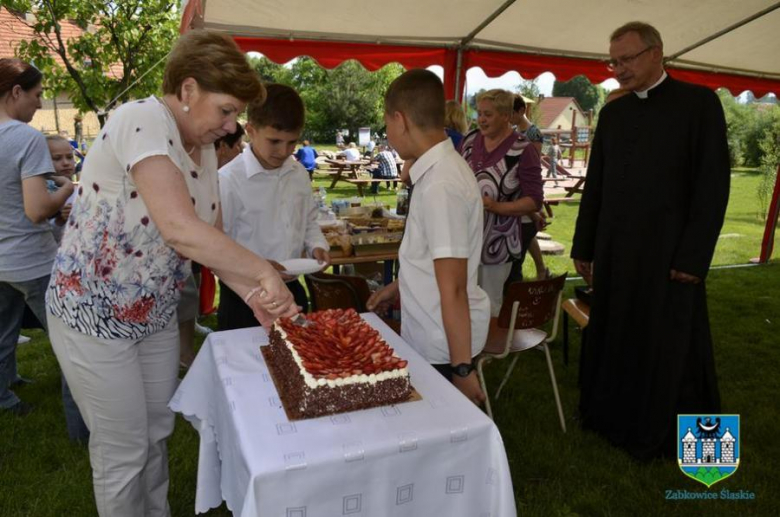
(361, 182)
(579, 311)
(548, 202)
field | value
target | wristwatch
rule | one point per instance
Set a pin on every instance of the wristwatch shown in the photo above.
(462, 369)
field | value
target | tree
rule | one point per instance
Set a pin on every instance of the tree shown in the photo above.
(347, 97)
(529, 89)
(588, 95)
(269, 71)
(119, 43)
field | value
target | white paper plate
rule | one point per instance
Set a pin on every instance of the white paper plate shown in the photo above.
(301, 266)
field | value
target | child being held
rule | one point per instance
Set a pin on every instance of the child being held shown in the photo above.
(65, 166)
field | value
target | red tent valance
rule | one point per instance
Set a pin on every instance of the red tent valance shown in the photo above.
(330, 54)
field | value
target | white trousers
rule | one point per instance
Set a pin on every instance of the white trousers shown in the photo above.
(122, 388)
(491, 279)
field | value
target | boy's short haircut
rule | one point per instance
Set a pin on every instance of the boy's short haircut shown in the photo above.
(419, 94)
(56, 138)
(231, 139)
(282, 110)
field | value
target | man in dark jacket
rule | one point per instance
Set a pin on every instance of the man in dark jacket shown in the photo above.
(651, 212)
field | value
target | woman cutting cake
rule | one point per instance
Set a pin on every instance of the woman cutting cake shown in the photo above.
(148, 204)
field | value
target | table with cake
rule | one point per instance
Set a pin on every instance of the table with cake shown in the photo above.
(334, 414)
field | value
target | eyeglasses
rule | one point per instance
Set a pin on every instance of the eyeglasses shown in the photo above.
(612, 64)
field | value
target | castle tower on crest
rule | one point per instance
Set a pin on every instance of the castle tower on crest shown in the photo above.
(689, 447)
(727, 447)
(708, 450)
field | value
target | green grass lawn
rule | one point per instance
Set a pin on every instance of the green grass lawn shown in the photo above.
(554, 474)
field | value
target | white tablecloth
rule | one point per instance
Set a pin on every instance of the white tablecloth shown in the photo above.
(440, 456)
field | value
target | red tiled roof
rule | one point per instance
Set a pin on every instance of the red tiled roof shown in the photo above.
(551, 107)
(13, 31)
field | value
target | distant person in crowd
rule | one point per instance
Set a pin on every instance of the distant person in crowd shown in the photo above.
(553, 155)
(370, 148)
(307, 156)
(351, 153)
(147, 205)
(267, 202)
(78, 128)
(339, 140)
(229, 146)
(508, 171)
(455, 122)
(648, 355)
(444, 312)
(524, 126)
(533, 223)
(64, 165)
(386, 168)
(27, 244)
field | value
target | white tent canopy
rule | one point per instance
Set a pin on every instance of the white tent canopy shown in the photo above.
(737, 38)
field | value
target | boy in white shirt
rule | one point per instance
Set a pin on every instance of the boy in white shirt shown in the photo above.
(266, 197)
(444, 313)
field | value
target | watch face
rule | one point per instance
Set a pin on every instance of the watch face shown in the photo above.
(462, 370)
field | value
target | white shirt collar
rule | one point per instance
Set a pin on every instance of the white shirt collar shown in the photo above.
(429, 158)
(643, 94)
(252, 165)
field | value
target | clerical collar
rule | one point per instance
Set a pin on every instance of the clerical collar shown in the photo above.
(643, 93)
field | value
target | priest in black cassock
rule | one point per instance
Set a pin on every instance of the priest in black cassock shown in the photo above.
(653, 206)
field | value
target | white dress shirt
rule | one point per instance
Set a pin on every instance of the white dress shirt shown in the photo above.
(444, 221)
(270, 212)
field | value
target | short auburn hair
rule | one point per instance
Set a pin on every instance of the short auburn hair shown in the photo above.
(502, 100)
(647, 33)
(419, 94)
(282, 110)
(14, 71)
(215, 62)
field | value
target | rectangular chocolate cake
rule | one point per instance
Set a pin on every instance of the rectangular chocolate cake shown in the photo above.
(336, 363)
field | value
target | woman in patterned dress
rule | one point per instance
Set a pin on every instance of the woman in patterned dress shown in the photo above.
(148, 205)
(509, 175)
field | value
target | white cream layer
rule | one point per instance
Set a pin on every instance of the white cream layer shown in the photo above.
(313, 382)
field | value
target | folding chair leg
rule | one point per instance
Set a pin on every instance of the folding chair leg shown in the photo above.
(506, 375)
(554, 386)
(481, 376)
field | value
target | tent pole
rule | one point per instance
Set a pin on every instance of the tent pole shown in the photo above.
(458, 87)
(723, 32)
(473, 34)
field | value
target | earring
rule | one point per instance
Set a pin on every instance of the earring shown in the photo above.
(186, 109)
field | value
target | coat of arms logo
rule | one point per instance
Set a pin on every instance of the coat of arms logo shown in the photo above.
(708, 446)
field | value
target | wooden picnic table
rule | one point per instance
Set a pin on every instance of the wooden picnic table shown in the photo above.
(351, 167)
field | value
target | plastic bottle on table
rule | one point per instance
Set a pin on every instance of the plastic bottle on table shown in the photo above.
(322, 197)
(402, 202)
